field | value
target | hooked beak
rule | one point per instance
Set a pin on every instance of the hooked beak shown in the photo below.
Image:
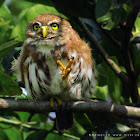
(44, 30)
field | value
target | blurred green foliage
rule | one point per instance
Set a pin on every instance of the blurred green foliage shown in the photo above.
(110, 15)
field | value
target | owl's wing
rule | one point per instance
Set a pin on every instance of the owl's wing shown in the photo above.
(17, 64)
(82, 78)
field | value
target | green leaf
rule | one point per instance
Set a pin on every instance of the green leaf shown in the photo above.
(43, 117)
(123, 128)
(5, 13)
(12, 132)
(1, 2)
(136, 30)
(7, 47)
(52, 136)
(101, 92)
(48, 2)
(23, 116)
(37, 135)
(102, 7)
(6, 23)
(135, 39)
(127, 8)
(114, 84)
(83, 120)
(28, 14)
(8, 86)
(76, 131)
(87, 136)
(102, 78)
(19, 6)
(36, 118)
(138, 81)
(3, 135)
(39, 119)
(109, 13)
(108, 21)
(9, 114)
(1, 68)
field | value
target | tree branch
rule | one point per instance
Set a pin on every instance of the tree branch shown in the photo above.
(102, 52)
(128, 122)
(125, 52)
(78, 106)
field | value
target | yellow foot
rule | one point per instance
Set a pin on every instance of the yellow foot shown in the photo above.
(65, 70)
(59, 101)
(52, 102)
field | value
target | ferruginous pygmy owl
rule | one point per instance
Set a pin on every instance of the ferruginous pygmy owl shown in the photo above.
(56, 65)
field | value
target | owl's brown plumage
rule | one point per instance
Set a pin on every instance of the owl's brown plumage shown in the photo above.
(50, 38)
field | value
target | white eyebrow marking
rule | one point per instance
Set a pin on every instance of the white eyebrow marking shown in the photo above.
(53, 21)
(37, 22)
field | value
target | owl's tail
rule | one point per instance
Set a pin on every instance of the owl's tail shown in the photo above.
(64, 120)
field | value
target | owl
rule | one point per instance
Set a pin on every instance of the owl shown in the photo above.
(55, 64)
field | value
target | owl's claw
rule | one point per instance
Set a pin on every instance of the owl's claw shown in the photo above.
(65, 70)
(59, 102)
(52, 102)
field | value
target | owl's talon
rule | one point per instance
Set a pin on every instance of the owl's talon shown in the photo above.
(65, 70)
(61, 65)
(71, 61)
(59, 101)
(52, 102)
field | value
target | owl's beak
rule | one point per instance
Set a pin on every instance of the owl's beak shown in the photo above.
(44, 30)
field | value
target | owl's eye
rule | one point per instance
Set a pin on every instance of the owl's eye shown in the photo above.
(55, 26)
(36, 26)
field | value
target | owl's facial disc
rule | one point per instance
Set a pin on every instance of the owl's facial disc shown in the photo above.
(46, 31)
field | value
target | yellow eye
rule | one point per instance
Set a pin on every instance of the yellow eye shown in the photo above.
(36, 26)
(55, 26)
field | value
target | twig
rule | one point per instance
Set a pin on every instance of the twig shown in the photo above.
(67, 135)
(78, 106)
(128, 122)
(102, 52)
(18, 123)
(6, 127)
(14, 122)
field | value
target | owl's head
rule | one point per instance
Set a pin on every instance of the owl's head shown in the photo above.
(48, 29)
